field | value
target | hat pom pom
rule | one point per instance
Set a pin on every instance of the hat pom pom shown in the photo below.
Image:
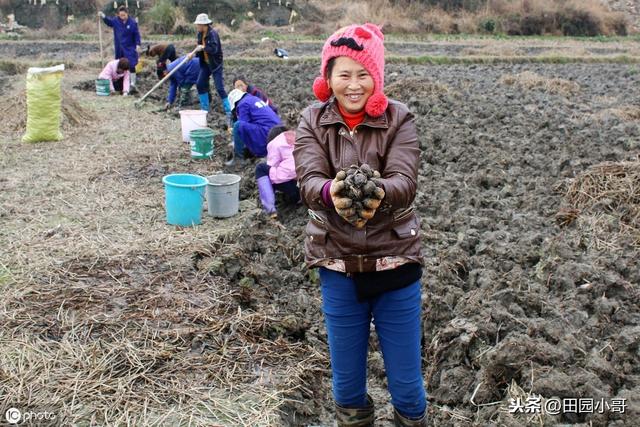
(321, 89)
(376, 105)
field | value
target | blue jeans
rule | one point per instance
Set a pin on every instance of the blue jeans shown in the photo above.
(396, 316)
(203, 80)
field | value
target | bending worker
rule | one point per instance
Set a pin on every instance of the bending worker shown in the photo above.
(184, 77)
(165, 52)
(254, 121)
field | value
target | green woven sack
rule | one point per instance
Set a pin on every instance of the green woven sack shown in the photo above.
(44, 102)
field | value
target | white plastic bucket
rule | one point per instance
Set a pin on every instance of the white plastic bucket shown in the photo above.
(190, 120)
(223, 195)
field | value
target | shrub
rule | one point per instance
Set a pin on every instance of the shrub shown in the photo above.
(161, 18)
(488, 25)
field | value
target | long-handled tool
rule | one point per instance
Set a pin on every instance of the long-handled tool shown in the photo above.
(165, 78)
(100, 39)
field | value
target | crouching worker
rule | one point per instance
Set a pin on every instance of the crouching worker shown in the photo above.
(117, 72)
(183, 79)
(254, 121)
(165, 52)
(279, 172)
(241, 82)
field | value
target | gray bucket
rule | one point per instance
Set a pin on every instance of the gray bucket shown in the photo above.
(223, 195)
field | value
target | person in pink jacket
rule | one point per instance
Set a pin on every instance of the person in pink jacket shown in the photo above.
(117, 72)
(279, 172)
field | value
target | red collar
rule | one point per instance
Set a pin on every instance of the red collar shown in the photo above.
(351, 119)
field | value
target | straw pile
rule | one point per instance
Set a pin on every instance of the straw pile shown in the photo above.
(608, 195)
(418, 87)
(74, 115)
(532, 81)
(140, 342)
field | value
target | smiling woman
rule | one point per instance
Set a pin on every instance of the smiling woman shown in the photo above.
(350, 82)
(364, 236)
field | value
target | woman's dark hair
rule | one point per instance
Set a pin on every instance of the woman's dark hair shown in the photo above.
(123, 64)
(275, 131)
(123, 9)
(330, 65)
(239, 77)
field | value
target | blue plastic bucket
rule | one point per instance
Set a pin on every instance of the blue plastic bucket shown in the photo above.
(184, 196)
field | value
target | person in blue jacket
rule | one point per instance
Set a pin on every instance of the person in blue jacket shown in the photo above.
(184, 77)
(209, 51)
(254, 121)
(126, 38)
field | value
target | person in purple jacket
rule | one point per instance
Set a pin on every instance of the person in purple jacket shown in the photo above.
(254, 121)
(184, 77)
(126, 38)
(241, 82)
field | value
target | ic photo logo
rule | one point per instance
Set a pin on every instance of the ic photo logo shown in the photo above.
(15, 416)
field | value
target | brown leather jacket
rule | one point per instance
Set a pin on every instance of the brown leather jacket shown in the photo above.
(324, 145)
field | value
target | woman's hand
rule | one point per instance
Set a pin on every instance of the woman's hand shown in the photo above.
(356, 194)
(342, 204)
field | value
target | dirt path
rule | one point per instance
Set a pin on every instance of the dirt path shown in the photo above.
(226, 315)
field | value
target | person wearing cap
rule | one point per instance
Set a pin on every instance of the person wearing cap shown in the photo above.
(165, 52)
(182, 79)
(209, 51)
(241, 82)
(253, 121)
(369, 271)
(278, 173)
(126, 38)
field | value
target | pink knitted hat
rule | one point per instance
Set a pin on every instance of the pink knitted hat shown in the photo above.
(362, 43)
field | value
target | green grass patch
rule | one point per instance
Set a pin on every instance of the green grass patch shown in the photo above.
(6, 277)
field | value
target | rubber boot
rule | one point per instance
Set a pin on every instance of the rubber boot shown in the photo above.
(226, 105)
(356, 417)
(237, 160)
(204, 101)
(185, 96)
(401, 421)
(267, 195)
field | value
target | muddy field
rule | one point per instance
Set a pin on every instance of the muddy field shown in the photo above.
(78, 51)
(529, 195)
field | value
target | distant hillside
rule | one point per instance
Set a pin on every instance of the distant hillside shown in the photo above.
(525, 17)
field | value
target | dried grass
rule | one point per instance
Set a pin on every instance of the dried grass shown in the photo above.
(155, 353)
(531, 81)
(493, 50)
(74, 114)
(608, 195)
(106, 317)
(627, 113)
(418, 87)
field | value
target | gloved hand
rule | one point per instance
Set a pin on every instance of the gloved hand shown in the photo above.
(343, 205)
(167, 106)
(101, 14)
(125, 94)
(199, 48)
(138, 50)
(371, 203)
